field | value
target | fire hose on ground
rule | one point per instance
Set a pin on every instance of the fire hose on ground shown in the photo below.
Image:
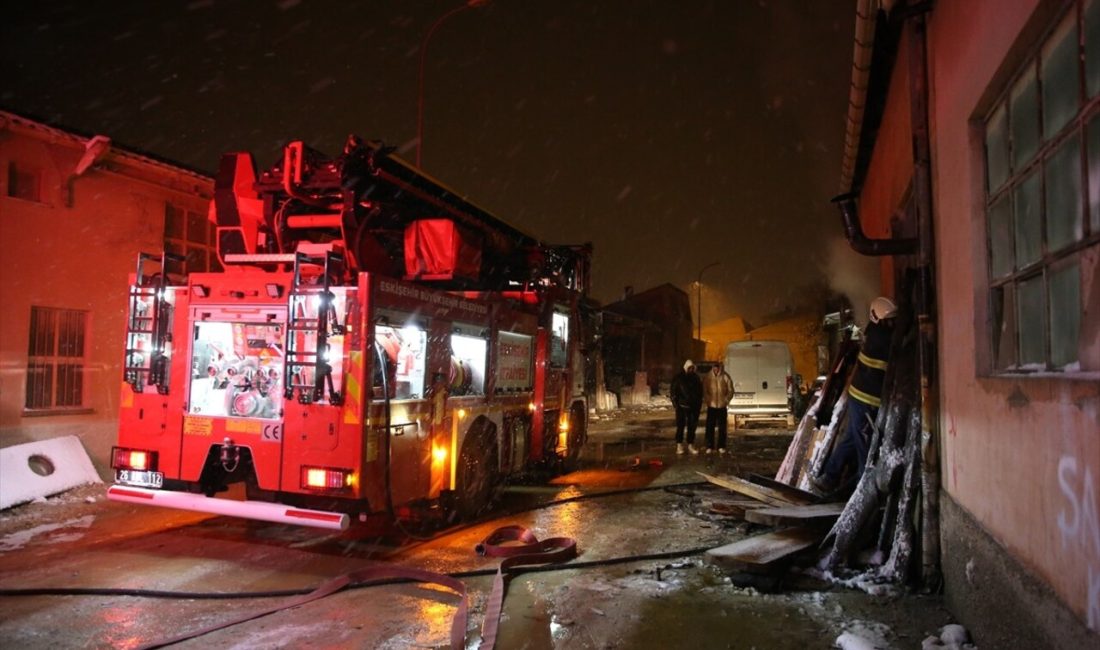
(521, 550)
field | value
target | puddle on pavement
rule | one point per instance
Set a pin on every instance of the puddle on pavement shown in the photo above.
(694, 606)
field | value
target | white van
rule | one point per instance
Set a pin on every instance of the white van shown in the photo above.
(764, 383)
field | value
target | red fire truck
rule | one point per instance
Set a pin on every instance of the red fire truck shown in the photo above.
(374, 346)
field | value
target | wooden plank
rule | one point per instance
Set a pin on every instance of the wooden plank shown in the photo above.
(761, 550)
(796, 452)
(739, 502)
(795, 515)
(794, 494)
(728, 510)
(741, 486)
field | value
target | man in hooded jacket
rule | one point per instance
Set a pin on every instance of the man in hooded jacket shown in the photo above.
(686, 394)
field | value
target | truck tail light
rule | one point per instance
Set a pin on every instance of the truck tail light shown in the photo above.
(134, 459)
(327, 478)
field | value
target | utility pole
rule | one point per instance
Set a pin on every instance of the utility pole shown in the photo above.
(469, 4)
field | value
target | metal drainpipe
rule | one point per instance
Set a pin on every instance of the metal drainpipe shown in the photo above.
(862, 244)
(864, 41)
(931, 574)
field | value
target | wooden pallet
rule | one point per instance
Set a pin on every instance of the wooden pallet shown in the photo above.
(816, 514)
(792, 493)
(741, 486)
(760, 551)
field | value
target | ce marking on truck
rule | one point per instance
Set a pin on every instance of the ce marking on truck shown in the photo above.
(272, 432)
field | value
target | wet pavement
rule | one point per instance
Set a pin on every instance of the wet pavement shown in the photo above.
(615, 601)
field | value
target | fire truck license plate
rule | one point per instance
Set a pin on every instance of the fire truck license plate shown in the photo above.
(140, 479)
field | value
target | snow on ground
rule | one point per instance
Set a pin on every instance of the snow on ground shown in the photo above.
(20, 538)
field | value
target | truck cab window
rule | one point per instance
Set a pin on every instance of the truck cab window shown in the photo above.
(559, 339)
(405, 356)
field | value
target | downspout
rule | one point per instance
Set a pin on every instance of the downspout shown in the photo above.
(863, 48)
(931, 574)
(862, 244)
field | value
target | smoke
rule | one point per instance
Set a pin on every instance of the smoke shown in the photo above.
(853, 275)
(718, 305)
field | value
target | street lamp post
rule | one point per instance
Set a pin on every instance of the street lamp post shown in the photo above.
(699, 296)
(469, 4)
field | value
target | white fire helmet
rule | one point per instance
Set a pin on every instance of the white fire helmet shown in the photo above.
(881, 308)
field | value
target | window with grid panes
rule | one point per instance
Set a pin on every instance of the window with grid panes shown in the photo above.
(55, 359)
(1042, 153)
(190, 235)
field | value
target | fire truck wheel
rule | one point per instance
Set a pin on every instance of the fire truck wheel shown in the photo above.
(477, 470)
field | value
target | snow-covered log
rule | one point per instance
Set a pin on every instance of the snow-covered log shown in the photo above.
(868, 496)
(896, 567)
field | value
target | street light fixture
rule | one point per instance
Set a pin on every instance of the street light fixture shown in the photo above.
(699, 296)
(469, 4)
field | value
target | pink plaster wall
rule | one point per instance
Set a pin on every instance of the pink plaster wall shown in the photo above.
(1021, 455)
(76, 257)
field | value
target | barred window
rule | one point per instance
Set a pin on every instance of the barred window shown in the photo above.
(1042, 154)
(55, 359)
(191, 235)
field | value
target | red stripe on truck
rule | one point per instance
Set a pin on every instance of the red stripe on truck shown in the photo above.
(129, 493)
(319, 516)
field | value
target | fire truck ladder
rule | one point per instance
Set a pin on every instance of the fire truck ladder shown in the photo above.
(303, 329)
(152, 322)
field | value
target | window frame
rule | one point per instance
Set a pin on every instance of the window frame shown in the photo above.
(186, 242)
(1002, 289)
(20, 176)
(49, 332)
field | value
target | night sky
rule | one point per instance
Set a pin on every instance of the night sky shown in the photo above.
(669, 134)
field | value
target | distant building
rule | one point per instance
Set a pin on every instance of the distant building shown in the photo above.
(717, 335)
(649, 331)
(1006, 95)
(74, 214)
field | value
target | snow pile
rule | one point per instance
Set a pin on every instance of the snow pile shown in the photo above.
(863, 635)
(951, 637)
(38, 469)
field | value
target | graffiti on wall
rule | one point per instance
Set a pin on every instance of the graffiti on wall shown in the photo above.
(1079, 524)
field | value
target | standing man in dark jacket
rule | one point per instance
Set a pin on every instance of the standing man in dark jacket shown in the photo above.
(864, 396)
(686, 393)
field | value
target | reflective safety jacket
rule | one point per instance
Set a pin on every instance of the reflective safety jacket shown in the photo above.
(870, 371)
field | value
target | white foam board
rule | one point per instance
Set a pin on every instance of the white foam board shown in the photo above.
(19, 483)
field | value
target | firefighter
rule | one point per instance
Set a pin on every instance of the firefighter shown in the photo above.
(687, 398)
(864, 396)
